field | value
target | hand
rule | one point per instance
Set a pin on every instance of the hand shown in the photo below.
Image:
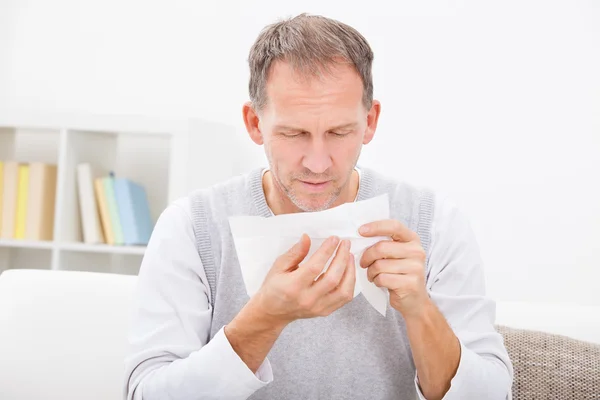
(397, 264)
(290, 292)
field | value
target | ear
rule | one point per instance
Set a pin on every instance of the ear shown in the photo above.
(251, 120)
(372, 119)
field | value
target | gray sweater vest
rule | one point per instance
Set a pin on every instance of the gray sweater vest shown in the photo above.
(354, 353)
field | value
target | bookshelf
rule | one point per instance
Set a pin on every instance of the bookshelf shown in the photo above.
(163, 155)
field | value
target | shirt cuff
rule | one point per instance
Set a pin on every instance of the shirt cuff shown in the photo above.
(467, 358)
(242, 376)
(264, 373)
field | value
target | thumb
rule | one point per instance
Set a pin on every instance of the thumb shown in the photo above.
(291, 258)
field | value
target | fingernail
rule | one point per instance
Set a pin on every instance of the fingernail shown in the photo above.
(333, 240)
(364, 229)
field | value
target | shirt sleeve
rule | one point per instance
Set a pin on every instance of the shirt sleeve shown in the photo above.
(170, 355)
(456, 284)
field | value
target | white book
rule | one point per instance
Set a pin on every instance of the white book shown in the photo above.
(88, 208)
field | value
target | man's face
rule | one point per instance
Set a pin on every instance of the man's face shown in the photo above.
(313, 131)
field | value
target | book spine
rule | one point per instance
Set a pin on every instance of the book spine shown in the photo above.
(22, 192)
(125, 207)
(10, 184)
(109, 191)
(103, 209)
(89, 211)
(1, 190)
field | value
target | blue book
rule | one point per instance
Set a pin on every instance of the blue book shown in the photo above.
(134, 212)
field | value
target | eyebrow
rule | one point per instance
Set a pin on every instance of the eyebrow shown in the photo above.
(295, 129)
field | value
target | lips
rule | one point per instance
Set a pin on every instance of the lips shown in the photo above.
(315, 186)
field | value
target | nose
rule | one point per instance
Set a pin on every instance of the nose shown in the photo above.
(317, 158)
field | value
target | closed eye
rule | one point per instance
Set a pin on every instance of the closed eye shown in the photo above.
(341, 134)
(292, 134)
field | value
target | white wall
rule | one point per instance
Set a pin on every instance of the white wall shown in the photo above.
(495, 103)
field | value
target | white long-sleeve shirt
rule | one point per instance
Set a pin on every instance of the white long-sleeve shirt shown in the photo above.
(173, 315)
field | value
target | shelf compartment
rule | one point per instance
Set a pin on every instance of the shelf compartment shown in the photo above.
(144, 159)
(116, 263)
(29, 144)
(25, 258)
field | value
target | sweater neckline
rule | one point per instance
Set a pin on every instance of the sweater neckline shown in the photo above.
(262, 208)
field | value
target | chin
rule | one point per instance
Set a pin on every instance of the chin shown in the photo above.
(313, 203)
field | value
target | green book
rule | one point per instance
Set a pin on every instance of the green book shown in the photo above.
(111, 201)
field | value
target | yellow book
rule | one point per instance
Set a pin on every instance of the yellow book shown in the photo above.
(104, 213)
(41, 199)
(1, 188)
(22, 193)
(10, 184)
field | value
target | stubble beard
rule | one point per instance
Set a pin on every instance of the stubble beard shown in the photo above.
(301, 203)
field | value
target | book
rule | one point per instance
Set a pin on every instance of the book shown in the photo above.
(88, 206)
(22, 195)
(111, 201)
(134, 212)
(1, 189)
(41, 199)
(103, 210)
(10, 182)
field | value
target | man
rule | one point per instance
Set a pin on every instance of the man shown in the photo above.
(197, 335)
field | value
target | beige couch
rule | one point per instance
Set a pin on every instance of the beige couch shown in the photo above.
(63, 336)
(552, 366)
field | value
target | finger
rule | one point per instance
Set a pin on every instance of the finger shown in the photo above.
(381, 250)
(390, 281)
(389, 249)
(312, 267)
(385, 267)
(332, 278)
(398, 267)
(346, 286)
(389, 227)
(294, 256)
(344, 293)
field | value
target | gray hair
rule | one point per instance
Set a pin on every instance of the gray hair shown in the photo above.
(310, 43)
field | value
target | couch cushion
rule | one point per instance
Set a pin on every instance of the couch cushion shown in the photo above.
(63, 334)
(551, 366)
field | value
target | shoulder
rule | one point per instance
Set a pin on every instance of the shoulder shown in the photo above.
(398, 189)
(175, 219)
(433, 213)
(413, 204)
(450, 218)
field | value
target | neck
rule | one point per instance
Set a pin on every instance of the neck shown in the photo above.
(279, 203)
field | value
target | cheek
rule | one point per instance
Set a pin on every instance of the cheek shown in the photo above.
(286, 154)
(281, 149)
(346, 150)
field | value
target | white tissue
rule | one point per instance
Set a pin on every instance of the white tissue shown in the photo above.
(259, 241)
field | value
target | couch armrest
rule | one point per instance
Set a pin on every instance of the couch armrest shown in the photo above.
(552, 366)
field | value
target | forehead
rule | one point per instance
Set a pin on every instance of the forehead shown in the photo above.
(336, 90)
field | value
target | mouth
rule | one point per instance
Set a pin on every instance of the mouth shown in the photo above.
(315, 186)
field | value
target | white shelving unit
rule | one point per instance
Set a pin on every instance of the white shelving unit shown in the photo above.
(157, 153)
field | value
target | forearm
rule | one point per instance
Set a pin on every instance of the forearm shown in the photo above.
(213, 372)
(436, 351)
(252, 334)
